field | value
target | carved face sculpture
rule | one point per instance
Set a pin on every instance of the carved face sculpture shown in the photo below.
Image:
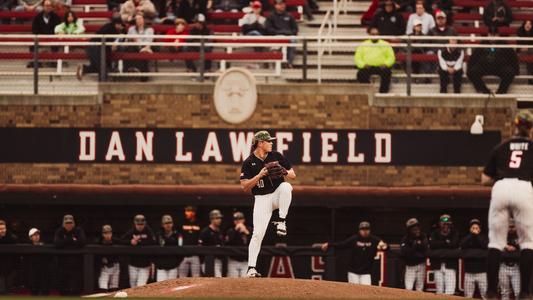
(235, 95)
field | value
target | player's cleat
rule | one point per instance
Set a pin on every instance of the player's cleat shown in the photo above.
(252, 273)
(281, 228)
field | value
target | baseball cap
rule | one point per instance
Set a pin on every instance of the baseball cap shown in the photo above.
(257, 4)
(238, 215)
(475, 221)
(417, 22)
(440, 14)
(279, 1)
(364, 225)
(166, 219)
(262, 135)
(107, 228)
(190, 208)
(215, 213)
(139, 220)
(33, 231)
(523, 118)
(445, 218)
(68, 219)
(199, 18)
(411, 222)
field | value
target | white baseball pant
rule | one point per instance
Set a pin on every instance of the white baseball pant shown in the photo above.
(162, 275)
(364, 279)
(108, 278)
(264, 205)
(218, 267)
(471, 279)
(445, 280)
(511, 197)
(415, 277)
(509, 281)
(189, 263)
(237, 268)
(138, 276)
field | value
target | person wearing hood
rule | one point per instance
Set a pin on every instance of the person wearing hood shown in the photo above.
(526, 31)
(140, 235)
(475, 267)
(451, 65)
(389, 21)
(414, 248)
(375, 56)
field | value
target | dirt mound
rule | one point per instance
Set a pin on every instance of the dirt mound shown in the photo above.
(272, 288)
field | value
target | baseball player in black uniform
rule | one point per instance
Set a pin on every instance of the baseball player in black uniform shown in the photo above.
(475, 267)
(414, 249)
(509, 268)
(445, 269)
(167, 265)
(510, 168)
(190, 232)
(212, 235)
(270, 192)
(139, 236)
(238, 235)
(69, 237)
(364, 247)
(109, 265)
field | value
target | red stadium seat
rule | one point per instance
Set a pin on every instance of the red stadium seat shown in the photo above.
(91, 28)
(477, 3)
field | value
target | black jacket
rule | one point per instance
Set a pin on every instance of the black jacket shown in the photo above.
(475, 241)
(7, 262)
(235, 238)
(490, 58)
(388, 23)
(497, 8)
(521, 32)
(167, 262)
(190, 232)
(439, 241)
(39, 26)
(180, 9)
(414, 249)
(512, 239)
(73, 239)
(363, 251)
(147, 239)
(107, 260)
(281, 24)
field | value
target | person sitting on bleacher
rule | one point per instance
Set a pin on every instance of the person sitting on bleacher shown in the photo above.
(145, 30)
(405, 5)
(420, 67)
(451, 64)
(198, 27)
(443, 5)
(375, 56)
(526, 31)
(131, 8)
(29, 5)
(497, 13)
(421, 15)
(253, 22)
(500, 62)
(170, 10)
(442, 27)
(45, 23)
(227, 5)
(280, 22)
(71, 24)
(388, 20)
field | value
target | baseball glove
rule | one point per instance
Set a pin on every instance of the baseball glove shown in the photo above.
(275, 170)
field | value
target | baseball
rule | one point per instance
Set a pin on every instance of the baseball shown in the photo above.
(121, 294)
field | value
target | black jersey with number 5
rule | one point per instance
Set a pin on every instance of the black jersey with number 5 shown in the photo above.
(513, 158)
(253, 165)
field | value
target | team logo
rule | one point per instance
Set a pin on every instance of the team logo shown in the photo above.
(235, 95)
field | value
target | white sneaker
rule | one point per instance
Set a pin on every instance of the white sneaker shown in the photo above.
(252, 273)
(281, 228)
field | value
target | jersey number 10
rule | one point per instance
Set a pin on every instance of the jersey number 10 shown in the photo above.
(516, 159)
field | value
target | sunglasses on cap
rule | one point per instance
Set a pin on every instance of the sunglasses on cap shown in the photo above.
(445, 220)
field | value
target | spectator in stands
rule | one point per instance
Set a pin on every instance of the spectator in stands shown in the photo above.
(26, 5)
(475, 267)
(145, 30)
(170, 10)
(375, 56)
(212, 236)
(69, 237)
(451, 64)
(140, 235)
(280, 22)
(444, 6)
(199, 27)
(423, 17)
(239, 235)
(414, 248)
(388, 21)
(179, 29)
(94, 52)
(45, 22)
(167, 266)
(131, 8)
(109, 266)
(497, 13)
(442, 27)
(501, 62)
(509, 276)
(227, 5)
(7, 262)
(364, 247)
(445, 269)
(37, 267)
(9, 5)
(201, 6)
(71, 24)
(526, 31)
(253, 22)
(190, 231)
(420, 67)
(407, 6)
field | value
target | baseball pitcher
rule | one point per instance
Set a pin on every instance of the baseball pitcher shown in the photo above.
(263, 173)
(510, 168)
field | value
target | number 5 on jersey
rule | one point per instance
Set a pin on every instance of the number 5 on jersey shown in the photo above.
(516, 159)
(261, 183)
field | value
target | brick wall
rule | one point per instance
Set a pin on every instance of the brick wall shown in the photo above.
(279, 106)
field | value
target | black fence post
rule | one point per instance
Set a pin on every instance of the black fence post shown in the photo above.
(36, 65)
(103, 63)
(209, 261)
(304, 60)
(202, 59)
(88, 273)
(408, 66)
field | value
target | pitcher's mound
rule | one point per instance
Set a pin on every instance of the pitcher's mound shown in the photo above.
(270, 288)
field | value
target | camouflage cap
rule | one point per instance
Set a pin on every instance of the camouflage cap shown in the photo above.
(215, 213)
(364, 225)
(166, 219)
(523, 118)
(238, 215)
(262, 135)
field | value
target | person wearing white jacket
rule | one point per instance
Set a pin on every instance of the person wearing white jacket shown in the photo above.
(427, 20)
(451, 65)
